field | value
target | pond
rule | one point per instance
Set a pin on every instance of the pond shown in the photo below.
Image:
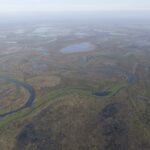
(102, 93)
(80, 47)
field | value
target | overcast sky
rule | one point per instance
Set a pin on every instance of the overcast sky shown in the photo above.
(72, 5)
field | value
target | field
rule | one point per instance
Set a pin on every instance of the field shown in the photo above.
(75, 86)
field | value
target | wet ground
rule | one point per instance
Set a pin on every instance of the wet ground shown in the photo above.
(115, 130)
(41, 139)
(109, 71)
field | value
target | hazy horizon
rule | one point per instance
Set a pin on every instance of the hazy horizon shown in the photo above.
(12, 10)
(15, 6)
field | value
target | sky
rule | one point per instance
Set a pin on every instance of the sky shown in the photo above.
(9, 6)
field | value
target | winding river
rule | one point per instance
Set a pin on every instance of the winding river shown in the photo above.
(27, 87)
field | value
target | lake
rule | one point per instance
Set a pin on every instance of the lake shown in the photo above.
(80, 47)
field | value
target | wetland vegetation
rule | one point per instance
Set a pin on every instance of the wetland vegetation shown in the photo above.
(75, 86)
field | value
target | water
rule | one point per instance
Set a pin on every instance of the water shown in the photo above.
(30, 100)
(102, 93)
(80, 47)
